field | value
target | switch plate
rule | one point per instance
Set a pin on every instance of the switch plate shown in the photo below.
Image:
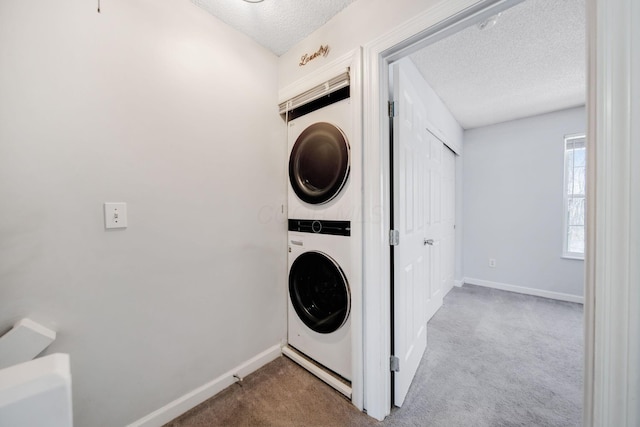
(492, 263)
(115, 215)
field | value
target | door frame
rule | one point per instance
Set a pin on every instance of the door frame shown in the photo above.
(435, 23)
(609, 387)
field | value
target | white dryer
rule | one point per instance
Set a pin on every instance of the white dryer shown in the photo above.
(319, 303)
(320, 164)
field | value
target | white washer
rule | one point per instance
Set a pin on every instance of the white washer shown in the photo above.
(319, 296)
(319, 150)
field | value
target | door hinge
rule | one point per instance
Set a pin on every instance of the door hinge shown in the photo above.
(392, 109)
(394, 363)
(394, 237)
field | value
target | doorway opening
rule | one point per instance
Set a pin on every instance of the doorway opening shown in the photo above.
(484, 15)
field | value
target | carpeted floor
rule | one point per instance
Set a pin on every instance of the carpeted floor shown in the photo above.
(493, 358)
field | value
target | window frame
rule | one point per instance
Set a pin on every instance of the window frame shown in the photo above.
(566, 197)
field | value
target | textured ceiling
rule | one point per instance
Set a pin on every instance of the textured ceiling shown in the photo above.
(531, 61)
(275, 24)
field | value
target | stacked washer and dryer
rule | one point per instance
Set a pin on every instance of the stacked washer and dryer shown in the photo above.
(320, 211)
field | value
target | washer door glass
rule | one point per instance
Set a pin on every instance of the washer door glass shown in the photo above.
(319, 163)
(319, 292)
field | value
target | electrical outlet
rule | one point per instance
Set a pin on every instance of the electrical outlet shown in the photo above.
(492, 262)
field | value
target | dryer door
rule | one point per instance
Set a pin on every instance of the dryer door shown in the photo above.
(319, 163)
(319, 292)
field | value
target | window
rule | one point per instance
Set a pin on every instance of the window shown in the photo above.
(574, 195)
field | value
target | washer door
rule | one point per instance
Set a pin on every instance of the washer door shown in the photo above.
(319, 163)
(319, 292)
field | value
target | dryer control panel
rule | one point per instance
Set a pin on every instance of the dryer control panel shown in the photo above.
(335, 228)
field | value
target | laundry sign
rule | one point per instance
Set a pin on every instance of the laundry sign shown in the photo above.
(308, 57)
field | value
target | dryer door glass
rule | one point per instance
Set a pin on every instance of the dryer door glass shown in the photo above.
(319, 292)
(319, 163)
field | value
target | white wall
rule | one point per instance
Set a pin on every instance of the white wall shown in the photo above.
(157, 104)
(359, 23)
(513, 203)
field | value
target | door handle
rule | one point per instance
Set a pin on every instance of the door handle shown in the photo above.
(428, 242)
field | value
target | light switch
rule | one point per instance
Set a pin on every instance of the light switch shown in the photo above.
(115, 215)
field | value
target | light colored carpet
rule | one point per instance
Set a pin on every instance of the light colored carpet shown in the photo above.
(497, 358)
(494, 358)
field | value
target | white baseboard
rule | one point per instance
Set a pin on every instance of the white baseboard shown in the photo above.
(193, 398)
(458, 283)
(522, 290)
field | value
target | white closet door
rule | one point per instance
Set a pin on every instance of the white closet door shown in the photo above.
(433, 229)
(448, 220)
(411, 187)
